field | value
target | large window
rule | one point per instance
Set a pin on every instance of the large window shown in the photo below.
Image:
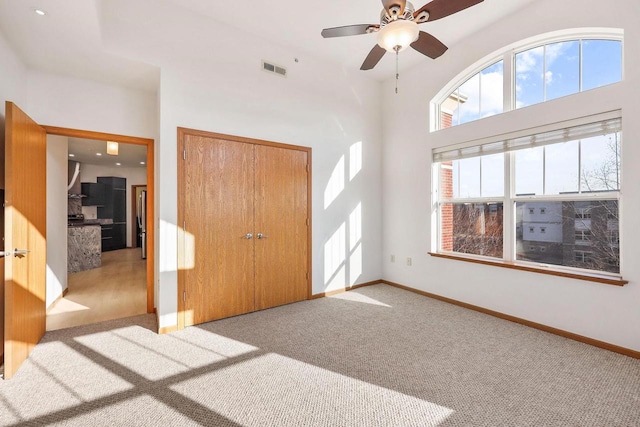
(549, 198)
(540, 72)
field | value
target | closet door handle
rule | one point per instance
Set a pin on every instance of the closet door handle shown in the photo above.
(248, 236)
(261, 236)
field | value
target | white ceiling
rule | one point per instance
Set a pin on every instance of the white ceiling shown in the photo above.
(86, 151)
(68, 40)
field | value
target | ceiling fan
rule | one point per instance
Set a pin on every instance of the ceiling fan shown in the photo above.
(398, 28)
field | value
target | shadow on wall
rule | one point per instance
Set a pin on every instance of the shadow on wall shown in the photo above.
(343, 250)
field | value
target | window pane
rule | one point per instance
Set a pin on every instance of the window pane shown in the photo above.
(529, 72)
(562, 76)
(449, 111)
(447, 183)
(573, 234)
(470, 100)
(492, 175)
(472, 228)
(600, 163)
(601, 63)
(561, 168)
(466, 174)
(529, 171)
(491, 90)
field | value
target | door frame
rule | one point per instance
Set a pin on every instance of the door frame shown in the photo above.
(182, 133)
(101, 136)
(134, 216)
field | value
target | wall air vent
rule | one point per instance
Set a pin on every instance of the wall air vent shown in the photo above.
(266, 66)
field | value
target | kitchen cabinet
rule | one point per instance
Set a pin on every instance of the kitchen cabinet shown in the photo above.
(114, 208)
(94, 192)
(107, 237)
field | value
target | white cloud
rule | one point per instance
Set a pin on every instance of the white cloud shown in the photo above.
(490, 101)
(548, 77)
(492, 94)
(555, 50)
(528, 61)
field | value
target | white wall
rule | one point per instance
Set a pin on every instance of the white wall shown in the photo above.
(13, 87)
(598, 311)
(134, 176)
(57, 152)
(13, 82)
(81, 104)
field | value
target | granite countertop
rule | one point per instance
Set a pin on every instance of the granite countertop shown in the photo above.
(99, 221)
(91, 222)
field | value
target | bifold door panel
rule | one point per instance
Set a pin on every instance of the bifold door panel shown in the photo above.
(244, 209)
(219, 211)
(280, 216)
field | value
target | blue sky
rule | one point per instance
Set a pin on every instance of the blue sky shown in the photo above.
(555, 69)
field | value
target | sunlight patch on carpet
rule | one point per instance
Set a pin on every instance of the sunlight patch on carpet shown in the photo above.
(357, 297)
(273, 384)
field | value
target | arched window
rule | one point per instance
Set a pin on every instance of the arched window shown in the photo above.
(537, 70)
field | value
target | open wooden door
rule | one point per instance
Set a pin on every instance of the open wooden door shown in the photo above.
(25, 237)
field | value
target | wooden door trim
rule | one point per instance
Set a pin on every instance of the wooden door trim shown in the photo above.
(134, 217)
(182, 133)
(102, 136)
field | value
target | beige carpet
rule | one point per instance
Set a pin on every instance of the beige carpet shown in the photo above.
(377, 356)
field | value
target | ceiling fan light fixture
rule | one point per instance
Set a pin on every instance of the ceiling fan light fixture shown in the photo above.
(112, 148)
(398, 33)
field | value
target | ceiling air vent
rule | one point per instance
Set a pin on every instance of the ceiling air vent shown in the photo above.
(274, 69)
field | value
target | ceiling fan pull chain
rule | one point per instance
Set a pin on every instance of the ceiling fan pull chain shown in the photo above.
(397, 49)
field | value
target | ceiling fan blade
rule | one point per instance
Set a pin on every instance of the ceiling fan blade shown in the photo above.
(429, 45)
(440, 8)
(399, 6)
(350, 30)
(373, 58)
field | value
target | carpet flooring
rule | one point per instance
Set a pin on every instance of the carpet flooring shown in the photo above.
(376, 356)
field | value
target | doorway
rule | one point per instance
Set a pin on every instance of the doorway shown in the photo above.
(138, 200)
(101, 272)
(113, 257)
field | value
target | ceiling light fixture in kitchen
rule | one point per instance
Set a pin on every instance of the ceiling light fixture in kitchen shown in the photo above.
(112, 148)
(71, 155)
(98, 154)
(118, 164)
(40, 12)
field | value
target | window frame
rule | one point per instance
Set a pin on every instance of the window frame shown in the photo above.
(509, 201)
(508, 57)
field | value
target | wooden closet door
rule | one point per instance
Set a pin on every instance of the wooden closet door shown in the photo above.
(218, 214)
(281, 215)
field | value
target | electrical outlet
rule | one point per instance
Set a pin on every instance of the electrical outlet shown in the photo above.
(409, 261)
(393, 258)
